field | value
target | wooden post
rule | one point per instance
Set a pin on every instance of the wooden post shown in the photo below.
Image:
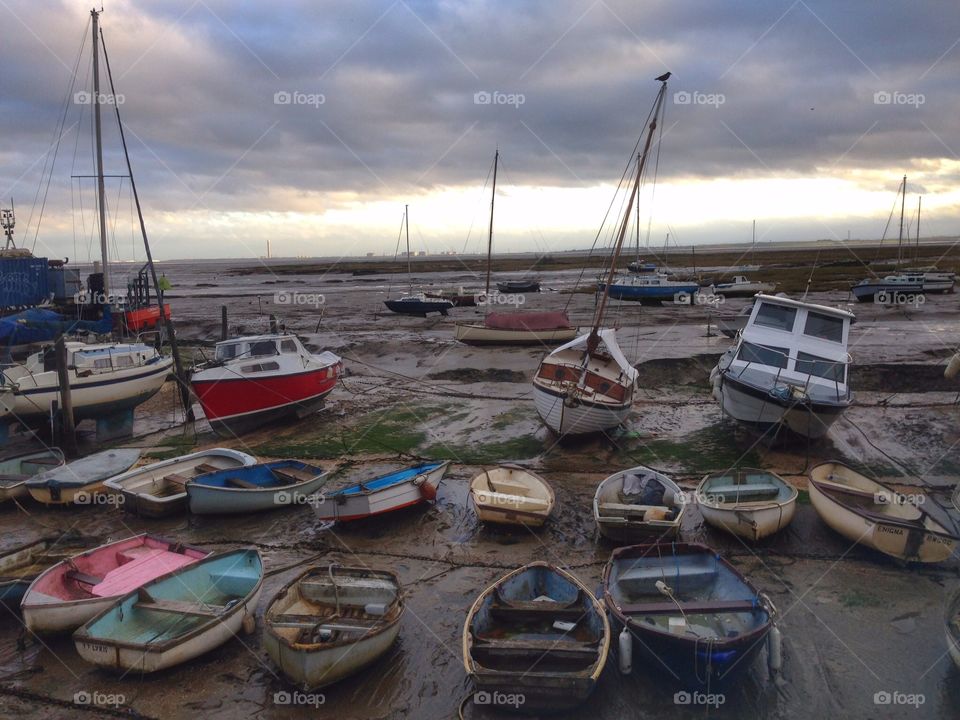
(273, 324)
(223, 322)
(68, 437)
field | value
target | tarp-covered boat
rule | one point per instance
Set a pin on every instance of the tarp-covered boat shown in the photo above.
(639, 504)
(80, 479)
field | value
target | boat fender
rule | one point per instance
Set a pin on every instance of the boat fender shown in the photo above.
(774, 650)
(626, 651)
(428, 491)
(378, 609)
(249, 624)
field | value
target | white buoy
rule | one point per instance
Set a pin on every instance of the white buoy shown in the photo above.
(626, 651)
(774, 650)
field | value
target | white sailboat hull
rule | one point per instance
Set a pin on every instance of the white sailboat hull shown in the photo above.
(576, 419)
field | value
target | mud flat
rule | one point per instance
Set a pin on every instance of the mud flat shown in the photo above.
(854, 624)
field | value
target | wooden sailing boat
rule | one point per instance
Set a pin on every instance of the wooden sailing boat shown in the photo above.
(416, 303)
(587, 385)
(513, 328)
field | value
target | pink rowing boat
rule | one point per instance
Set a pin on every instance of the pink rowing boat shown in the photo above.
(73, 591)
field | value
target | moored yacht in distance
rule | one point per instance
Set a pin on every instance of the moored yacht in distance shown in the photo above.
(789, 366)
(887, 288)
(740, 286)
(656, 286)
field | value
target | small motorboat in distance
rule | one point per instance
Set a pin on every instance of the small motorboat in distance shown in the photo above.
(639, 504)
(749, 503)
(952, 624)
(263, 379)
(79, 480)
(15, 471)
(690, 611)
(510, 495)
(538, 634)
(419, 304)
(740, 286)
(160, 489)
(330, 622)
(870, 513)
(887, 289)
(523, 285)
(176, 617)
(393, 491)
(71, 592)
(255, 488)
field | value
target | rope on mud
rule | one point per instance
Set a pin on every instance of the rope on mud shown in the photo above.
(71, 705)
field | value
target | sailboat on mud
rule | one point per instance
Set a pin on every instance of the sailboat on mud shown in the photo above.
(587, 385)
(513, 328)
(416, 303)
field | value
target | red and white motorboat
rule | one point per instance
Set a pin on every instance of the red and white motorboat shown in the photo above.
(256, 380)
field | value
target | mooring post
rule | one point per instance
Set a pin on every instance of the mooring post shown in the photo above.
(68, 437)
(273, 324)
(223, 322)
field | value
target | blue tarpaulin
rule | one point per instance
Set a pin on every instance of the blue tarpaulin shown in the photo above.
(36, 325)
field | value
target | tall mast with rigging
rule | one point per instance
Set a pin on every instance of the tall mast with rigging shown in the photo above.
(493, 197)
(406, 224)
(98, 133)
(903, 201)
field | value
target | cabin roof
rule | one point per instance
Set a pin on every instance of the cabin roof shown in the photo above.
(790, 302)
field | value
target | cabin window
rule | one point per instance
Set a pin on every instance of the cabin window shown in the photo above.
(288, 346)
(123, 361)
(228, 352)
(102, 363)
(778, 317)
(825, 327)
(260, 367)
(556, 372)
(772, 356)
(604, 386)
(263, 347)
(821, 367)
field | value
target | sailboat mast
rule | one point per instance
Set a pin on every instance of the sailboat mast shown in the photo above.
(638, 214)
(493, 197)
(406, 223)
(917, 255)
(594, 338)
(903, 201)
(95, 16)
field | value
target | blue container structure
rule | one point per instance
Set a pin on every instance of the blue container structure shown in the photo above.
(23, 282)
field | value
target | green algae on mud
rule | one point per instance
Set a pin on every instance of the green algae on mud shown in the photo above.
(523, 447)
(710, 449)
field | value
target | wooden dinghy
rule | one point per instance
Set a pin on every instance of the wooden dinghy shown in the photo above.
(393, 491)
(538, 634)
(21, 565)
(15, 471)
(690, 610)
(639, 504)
(65, 596)
(952, 624)
(752, 504)
(80, 479)
(176, 617)
(159, 489)
(332, 621)
(510, 495)
(870, 513)
(255, 488)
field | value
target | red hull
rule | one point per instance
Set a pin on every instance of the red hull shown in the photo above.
(145, 318)
(224, 399)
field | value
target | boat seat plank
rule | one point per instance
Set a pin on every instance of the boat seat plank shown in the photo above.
(847, 489)
(294, 474)
(82, 577)
(181, 607)
(615, 509)
(203, 468)
(176, 478)
(507, 487)
(547, 645)
(667, 573)
(242, 484)
(498, 499)
(753, 491)
(519, 614)
(691, 608)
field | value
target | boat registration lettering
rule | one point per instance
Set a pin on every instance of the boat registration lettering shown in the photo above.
(96, 647)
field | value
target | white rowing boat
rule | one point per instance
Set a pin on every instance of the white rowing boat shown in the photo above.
(510, 495)
(639, 504)
(749, 503)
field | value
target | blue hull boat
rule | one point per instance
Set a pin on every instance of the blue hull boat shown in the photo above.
(254, 488)
(176, 617)
(630, 291)
(400, 489)
(690, 611)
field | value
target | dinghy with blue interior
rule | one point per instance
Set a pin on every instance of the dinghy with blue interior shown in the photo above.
(752, 504)
(255, 488)
(386, 493)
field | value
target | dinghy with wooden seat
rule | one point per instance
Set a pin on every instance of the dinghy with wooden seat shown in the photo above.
(15, 471)
(79, 480)
(870, 513)
(331, 621)
(510, 495)
(255, 488)
(638, 504)
(176, 617)
(690, 611)
(21, 565)
(74, 590)
(160, 489)
(393, 491)
(537, 633)
(749, 503)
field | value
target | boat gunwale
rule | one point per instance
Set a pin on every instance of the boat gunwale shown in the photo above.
(700, 494)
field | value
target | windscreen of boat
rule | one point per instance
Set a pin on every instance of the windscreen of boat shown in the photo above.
(772, 356)
(825, 327)
(263, 348)
(821, 367)
(228, 351)
(288, 346)
(779, 317)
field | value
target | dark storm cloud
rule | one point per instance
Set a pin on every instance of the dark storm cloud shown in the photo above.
(797, 80)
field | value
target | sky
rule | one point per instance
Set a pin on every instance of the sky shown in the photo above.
(314, 123)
